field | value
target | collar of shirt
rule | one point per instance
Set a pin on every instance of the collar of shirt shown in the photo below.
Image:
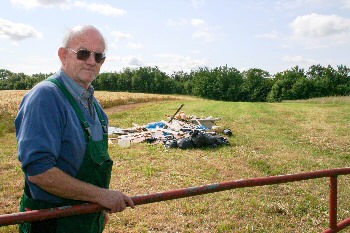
(85, 97)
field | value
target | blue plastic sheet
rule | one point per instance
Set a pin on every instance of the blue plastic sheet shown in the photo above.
(155, 125)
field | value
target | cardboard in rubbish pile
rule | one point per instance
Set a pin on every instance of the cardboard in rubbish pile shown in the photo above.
(158, 132)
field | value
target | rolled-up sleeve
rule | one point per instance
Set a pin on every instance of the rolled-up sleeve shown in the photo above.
(39, 126)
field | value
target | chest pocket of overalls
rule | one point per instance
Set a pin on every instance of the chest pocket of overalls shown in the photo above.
(97, 166)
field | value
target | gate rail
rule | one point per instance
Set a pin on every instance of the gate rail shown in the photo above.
(64, 211)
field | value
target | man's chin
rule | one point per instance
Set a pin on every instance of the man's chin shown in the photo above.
(88, 76)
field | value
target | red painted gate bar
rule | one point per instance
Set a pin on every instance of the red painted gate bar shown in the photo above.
(333, 204)
(37, 215)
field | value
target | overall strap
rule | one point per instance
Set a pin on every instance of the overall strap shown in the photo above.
(74, 104)
(100, 117)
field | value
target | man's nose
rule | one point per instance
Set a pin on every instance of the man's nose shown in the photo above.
(91, 60)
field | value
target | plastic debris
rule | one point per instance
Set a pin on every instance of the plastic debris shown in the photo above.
(227, 132)
(185, 143)
(183, 131)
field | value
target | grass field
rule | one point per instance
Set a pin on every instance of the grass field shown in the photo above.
(269, 139)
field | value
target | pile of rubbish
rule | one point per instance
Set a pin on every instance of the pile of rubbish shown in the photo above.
(181, 131)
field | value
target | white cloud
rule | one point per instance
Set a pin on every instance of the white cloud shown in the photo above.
(17, 31)
(111, 58)
(52, 2)
(315, 25)
(271, 35)
(39, 3)
(293, 58)
(168, 63)
(135, 61)
(118, 63)
(298, 60)
(346, 3)
(173, 62)
(104, 9)
(180, 23)
(134, 46)
(34, 64)
(202, 30)
(315, 31)
(122, 36)
(295, 4)
(197, 3)
(203, 34)
(198, 23)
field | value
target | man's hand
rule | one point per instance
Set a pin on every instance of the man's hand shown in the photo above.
(114, 200)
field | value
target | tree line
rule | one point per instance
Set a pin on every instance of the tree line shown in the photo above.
(221, 83)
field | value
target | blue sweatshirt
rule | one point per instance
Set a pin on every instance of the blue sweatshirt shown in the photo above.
(49, 132)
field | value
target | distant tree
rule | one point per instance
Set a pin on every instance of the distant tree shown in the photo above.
(256, 85)
(182, 83)
(124, 81)
(36, 78)
(235, 81)
(289, 85)
(201, 83)
(221, 83)
(321, 84)
(341, 81)
(140, 81)
(4, 82)
(101, 82)
(5, 74)
(215, 80)
(161, 82)
(228, 82)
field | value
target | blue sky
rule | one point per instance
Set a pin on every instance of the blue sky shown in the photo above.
(180, 35)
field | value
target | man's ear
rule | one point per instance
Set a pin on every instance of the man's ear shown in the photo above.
(62, 54)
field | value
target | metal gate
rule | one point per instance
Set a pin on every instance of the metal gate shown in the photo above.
(334, 226)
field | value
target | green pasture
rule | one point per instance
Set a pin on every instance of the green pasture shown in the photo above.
(268, 139)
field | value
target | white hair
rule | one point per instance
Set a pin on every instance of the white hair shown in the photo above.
(77, 31)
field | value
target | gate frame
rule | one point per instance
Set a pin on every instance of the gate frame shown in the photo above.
(64, 211)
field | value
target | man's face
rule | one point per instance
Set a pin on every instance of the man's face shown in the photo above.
(83, 72)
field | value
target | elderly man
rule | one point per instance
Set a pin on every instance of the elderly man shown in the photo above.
(62, 140)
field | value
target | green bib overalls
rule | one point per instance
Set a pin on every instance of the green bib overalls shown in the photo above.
(96, 169)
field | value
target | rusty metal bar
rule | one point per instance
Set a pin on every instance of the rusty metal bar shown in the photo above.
(211, 188)
(333, 203)
(64, 211)
(343, 224)
(44, 214)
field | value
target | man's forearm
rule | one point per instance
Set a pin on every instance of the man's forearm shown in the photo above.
(58, 183)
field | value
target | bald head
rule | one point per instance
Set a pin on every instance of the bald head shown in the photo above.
(77, 32)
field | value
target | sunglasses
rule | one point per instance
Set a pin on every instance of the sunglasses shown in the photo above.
(84, 54)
